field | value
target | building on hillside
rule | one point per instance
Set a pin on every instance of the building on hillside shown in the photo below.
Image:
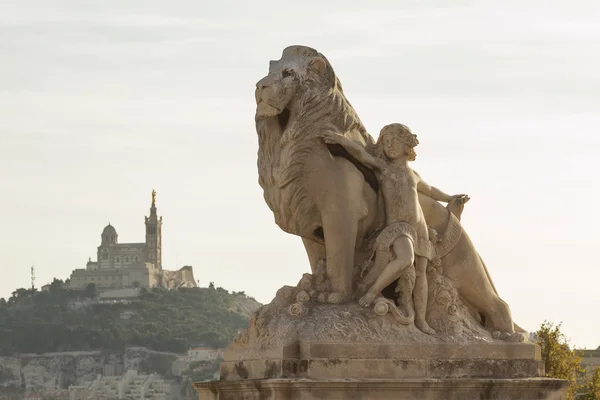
(590, 359)
(130, 265)
(121, 265)
(179, 366)
(183, 362)
(203, 354)
(129, 386)
(50, 394)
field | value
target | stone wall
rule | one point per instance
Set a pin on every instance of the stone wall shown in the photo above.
(590, 359)
(104, 278)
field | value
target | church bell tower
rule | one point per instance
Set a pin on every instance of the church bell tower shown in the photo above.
(154, 235)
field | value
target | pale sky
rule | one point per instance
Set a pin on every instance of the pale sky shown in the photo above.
(103, 101)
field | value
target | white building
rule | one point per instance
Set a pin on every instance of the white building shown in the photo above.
(203, 354)
(129, 386)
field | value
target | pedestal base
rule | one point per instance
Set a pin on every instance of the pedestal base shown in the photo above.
(380, 371)
(384, 361)
(383, 389)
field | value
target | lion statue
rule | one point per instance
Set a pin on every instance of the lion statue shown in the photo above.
(325, 196)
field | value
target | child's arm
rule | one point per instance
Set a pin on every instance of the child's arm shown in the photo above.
(357, 151)
(436, 193)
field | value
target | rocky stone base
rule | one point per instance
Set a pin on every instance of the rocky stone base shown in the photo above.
(281, 325)
(382, 389)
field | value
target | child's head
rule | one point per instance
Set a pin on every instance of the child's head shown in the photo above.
(396, 140)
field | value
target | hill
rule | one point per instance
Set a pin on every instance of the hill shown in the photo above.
(62, 320)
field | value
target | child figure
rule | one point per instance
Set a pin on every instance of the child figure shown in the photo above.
(400, 186)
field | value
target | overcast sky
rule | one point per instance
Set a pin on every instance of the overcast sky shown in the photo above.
(103, 101)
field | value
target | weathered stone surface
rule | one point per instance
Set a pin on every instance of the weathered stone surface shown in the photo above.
(380, 368)
(273, 330)
(365, 389)
(398, 304)
(391, 361)
(509, 369)
(428, 351)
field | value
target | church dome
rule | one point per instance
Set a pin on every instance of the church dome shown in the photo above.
(109, 235)
(109, 230)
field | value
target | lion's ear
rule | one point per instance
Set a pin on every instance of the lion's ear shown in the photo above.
(318, 65)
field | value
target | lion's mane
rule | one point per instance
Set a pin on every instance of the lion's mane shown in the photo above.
(285, 147)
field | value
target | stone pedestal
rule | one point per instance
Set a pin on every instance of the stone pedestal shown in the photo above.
(496, 370)
(384, 389)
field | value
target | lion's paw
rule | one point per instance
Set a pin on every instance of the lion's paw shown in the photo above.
(517, 337)
(500, 335)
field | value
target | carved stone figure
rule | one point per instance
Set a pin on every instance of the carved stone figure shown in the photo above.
(324, 194)
(404, 217)
(434, 328)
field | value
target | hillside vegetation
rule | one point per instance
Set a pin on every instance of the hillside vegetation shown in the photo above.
(165, 320)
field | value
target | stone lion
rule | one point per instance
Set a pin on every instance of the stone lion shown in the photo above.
(320, 193)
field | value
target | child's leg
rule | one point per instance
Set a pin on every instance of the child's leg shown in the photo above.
(404, 258)
(420, 295)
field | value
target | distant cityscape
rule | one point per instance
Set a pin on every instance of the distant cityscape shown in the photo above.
(119, 274)
(116, 384)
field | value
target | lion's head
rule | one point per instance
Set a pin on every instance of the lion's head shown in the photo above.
(299, 70)
(299, 99)
(302, 87)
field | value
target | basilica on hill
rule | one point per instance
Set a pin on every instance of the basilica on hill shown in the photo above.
(127, 265)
